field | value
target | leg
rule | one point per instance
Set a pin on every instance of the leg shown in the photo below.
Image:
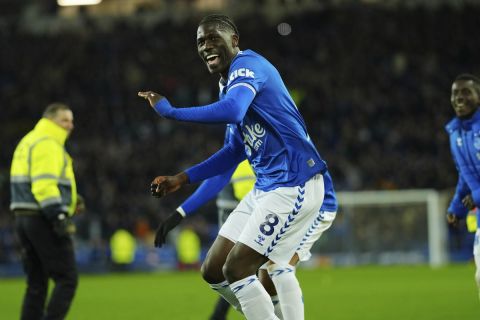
(269, 286)
(288, 289)
(240, 270)
(217, 255)
(212, 270)
(215, 259)
(280, 220)
(58, 260)
(283, 276)
(221, 309)
(37, 279)
(64, 273)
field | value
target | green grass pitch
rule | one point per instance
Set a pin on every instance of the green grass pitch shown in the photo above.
(370, 293)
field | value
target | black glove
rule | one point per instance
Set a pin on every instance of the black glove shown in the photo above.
(63, 226)
(165, 226)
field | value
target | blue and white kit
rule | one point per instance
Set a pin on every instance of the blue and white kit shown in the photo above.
(238, 218)
(464, 135)
(267, 128)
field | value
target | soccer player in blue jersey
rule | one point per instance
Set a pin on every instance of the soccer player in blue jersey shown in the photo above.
(287, 296)
(268, 130)
(464, 132)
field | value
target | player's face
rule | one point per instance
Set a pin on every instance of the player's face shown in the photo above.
(465, 98)
(217, 47)
(64, 118)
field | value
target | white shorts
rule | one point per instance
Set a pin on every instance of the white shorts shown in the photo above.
(322, 223)
(275, 223)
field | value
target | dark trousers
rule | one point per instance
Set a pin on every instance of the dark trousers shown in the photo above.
(45, 256)
(221, 310)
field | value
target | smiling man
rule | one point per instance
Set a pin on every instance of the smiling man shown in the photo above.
(464, 132)
(273, 221)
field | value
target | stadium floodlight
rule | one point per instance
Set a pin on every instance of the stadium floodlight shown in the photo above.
(65, 3)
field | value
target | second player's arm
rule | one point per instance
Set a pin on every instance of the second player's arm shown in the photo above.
(222, 161)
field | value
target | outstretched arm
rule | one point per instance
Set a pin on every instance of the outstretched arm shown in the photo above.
(231, 109)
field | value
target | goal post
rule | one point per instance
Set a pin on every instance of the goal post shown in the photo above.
(387, 227)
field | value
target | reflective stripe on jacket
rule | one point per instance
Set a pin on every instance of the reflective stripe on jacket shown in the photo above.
(243, 180)
(42, 172)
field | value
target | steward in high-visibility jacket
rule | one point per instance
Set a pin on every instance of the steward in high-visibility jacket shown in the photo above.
(41, 176)
(43, 197)
(241, 183)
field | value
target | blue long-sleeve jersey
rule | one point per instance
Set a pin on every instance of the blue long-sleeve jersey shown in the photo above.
(212, 186)
(268, 127)
(465, 148)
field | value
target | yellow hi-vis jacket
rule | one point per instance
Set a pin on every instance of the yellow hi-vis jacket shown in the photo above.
(122, 247)
(243, 180)
(41, 175)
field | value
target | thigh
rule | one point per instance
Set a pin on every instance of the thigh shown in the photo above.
(236, 221)
(56, 254)
(281, 218)
(243, 261)
(32, 263)
(322, 222)
(215, 259)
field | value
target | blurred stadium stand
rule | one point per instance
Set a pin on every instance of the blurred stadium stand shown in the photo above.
(372, 79)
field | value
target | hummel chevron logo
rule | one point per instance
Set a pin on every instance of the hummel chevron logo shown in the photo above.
(240, 287)
(280, 271)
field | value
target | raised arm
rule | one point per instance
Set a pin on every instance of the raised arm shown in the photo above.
(231, 109)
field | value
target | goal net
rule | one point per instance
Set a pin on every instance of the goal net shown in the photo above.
(386, 227)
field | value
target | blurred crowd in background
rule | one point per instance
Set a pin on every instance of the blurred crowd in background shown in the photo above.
(373, 84)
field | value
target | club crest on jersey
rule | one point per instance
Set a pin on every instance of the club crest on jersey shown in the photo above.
(459, 142)
(242, 72)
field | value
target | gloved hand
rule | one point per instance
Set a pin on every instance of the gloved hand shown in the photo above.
(165, 226)
(63, 226)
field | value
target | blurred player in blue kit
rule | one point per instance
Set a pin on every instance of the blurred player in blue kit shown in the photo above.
(464, 132)
(271, 223)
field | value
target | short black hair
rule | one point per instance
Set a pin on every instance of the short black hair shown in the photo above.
(468, 77)
(222, 21)
(52, 109)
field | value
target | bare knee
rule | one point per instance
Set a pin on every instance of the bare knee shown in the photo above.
(234, 271)
(212, 266)
(242, 262)
(212, 271)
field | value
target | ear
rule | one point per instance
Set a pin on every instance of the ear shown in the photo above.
(235, 40)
